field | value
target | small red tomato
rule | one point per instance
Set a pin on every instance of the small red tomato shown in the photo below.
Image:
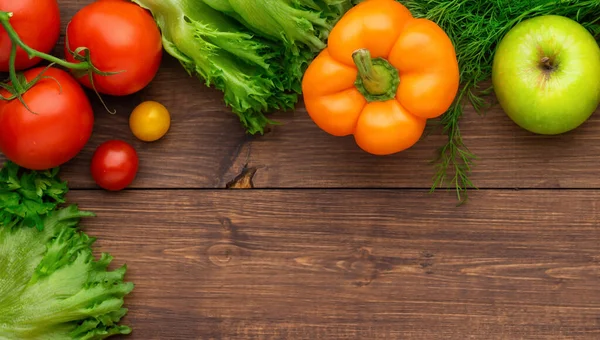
(121, 37)
(114, 165)
(37, 23)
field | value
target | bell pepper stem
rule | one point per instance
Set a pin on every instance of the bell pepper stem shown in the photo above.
(377, 79)
(373, 79)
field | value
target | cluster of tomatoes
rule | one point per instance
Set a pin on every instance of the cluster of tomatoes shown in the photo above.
(47, 120)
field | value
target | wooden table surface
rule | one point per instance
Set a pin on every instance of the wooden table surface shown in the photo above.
(333, 243)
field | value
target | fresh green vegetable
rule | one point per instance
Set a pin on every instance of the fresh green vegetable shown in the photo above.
(26, 197)
(476, 27)
(255, 54)
(51, 287)
(288, 21)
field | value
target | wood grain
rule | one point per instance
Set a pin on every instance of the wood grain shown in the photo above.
(207, 148)
(344, 264)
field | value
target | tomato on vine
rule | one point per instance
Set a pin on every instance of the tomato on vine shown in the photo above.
(52, 128)
(41, 36)
(121, 38)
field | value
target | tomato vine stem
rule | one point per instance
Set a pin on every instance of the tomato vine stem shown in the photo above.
(19, 85)
(12, 72)
(14, 37)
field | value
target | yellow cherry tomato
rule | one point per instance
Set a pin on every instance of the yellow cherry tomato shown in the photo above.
(149, 121)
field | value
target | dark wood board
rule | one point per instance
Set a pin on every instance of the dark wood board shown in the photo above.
(335, 243)
(207, 147)
(345, 264)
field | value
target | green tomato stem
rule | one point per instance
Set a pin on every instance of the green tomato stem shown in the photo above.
(84, 66)
(14, 37)
(12, 73)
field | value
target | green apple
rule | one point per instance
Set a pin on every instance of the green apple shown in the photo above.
(546, 74)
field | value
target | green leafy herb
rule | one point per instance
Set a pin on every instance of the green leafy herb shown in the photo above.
(27, 196)
(52, 288)
(476, 27)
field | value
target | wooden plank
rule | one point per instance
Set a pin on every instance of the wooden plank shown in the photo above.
(299, 155)
(343, 264)
(207, 148)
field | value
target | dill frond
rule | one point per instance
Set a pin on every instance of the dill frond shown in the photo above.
(476, 27)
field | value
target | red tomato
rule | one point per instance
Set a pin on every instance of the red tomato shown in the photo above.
(58, 128)
(114, 165)
(120, 36)
(37, 22)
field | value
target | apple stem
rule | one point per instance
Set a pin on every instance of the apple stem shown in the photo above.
(547, 64)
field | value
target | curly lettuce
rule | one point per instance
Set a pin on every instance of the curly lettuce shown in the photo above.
(255, 52)
(51, 287)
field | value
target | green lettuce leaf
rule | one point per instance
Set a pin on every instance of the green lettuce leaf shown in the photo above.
(300, 28)
(52, 288)
(27, 196)
(255, 52)
(218, 50)
(278, 20)
(298, 24)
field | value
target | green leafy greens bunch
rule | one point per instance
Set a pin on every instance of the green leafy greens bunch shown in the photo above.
(27, 196)
(51, 287)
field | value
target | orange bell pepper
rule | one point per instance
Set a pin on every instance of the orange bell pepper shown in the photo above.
(381, 76)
